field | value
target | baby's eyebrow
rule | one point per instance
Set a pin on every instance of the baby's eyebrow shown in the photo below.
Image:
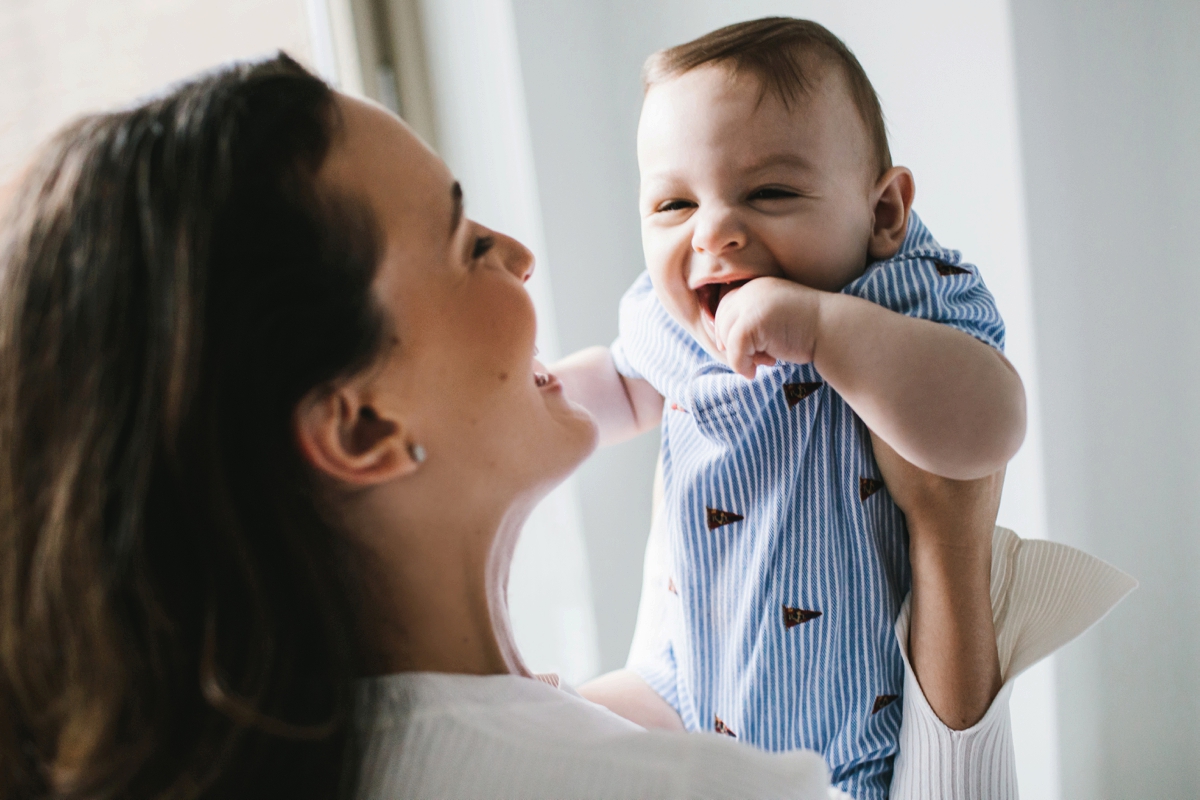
(653, 186)
(793, 160)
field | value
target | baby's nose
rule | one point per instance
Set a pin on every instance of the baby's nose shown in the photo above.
(717, 232)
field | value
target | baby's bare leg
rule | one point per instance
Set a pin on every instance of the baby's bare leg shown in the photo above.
(951, 640)
(625, 693)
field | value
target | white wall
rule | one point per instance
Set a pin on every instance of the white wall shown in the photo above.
(483, 135)
(944, 71)
(581, 95)
(61, 58)
(1110, 110)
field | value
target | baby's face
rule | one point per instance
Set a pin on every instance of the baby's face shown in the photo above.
(734, 189)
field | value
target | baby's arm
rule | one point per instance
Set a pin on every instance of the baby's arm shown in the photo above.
(622, 406)
(626, 694)
(948, 403)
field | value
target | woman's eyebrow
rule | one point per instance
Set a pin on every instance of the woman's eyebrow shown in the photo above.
(456, 195)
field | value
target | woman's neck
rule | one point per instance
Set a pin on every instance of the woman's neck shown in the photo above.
(435, 595)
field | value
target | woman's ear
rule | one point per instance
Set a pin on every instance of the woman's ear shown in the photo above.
(348, 439)
(891, 200)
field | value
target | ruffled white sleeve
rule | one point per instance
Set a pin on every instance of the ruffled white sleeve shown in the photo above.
(1044, 594)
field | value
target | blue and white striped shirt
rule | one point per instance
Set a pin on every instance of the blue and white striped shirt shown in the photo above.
(788, 559)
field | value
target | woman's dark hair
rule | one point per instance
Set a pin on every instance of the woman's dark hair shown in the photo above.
(174, 620)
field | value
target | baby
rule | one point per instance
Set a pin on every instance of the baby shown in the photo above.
(793, 308)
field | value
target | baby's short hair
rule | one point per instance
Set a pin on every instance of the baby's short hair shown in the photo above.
(779, 51)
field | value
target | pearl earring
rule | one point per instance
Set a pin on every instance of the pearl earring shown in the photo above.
(417, 453)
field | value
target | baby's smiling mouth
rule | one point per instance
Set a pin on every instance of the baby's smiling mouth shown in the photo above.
(710, 295)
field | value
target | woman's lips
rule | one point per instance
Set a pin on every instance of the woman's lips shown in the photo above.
(547, 382)
(543, 378)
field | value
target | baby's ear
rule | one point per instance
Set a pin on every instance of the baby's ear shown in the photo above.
(891, 200)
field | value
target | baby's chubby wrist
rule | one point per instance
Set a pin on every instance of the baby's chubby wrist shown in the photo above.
(800, 309)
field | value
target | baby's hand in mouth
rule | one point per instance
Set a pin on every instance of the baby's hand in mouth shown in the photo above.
(765, 320)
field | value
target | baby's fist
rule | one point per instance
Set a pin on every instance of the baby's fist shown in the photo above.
(767, 320)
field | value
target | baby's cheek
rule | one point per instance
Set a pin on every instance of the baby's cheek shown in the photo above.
(678, 300)
(658, 267)
(668, 266)
(823, 265)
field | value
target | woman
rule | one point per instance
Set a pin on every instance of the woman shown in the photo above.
(270, 422)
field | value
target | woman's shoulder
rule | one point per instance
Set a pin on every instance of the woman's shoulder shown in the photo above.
(427, 735)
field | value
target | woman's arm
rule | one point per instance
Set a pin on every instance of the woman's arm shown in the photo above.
(951, 642)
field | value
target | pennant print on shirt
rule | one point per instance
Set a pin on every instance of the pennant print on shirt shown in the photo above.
(797, 616)
(868, 487)
(883, 701)
(717, 517)
(795, 392)
(946, 270)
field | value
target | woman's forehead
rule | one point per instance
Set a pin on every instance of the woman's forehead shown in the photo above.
(378, 158)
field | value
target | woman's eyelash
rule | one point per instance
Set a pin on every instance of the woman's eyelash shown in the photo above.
(482, 245)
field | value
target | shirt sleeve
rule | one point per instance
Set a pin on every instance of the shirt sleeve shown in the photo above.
(621, 360)
(1044, 594)
(935, 285)
(633, 310)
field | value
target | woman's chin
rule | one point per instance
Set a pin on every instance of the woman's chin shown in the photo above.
(582, 434)
(587, 422)
(574, 438)
(577, 421)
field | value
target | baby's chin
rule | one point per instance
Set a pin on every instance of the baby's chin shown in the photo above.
(699, 325)
(704, 333)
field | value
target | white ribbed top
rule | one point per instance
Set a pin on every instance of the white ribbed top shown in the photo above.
(1044, 595)
(431, 735)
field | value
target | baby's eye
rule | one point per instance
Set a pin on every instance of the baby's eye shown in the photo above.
(482, 245)
(674, 205)
(772, 193)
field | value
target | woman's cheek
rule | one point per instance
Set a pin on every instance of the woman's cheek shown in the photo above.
(513, 326)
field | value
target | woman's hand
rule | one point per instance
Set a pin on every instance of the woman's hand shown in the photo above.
(951, 640)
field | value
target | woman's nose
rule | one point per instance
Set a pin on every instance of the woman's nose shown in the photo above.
(516, 256)
(717, 231)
